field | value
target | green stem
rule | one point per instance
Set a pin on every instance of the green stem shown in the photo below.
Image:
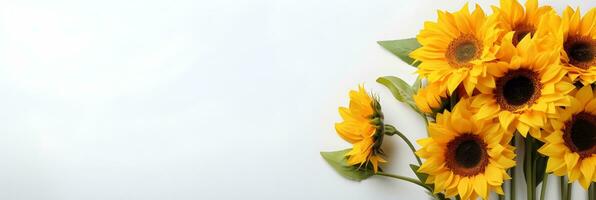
(528, 169)
(592, 192)
(403, 178)
(544, 183)
(512, 170)
(501, 197)
(562, 184)
(569, 189)
(533, 175)
(405, 139)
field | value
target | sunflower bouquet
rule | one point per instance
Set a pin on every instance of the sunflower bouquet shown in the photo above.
(519, 82)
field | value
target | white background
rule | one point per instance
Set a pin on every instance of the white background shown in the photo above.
(206, 99)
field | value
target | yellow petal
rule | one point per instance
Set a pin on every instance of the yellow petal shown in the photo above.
(587, 167)
(584, 95)
(493, 175)
(464, 187)
(571, 160)
(480, 186)
(505, 118)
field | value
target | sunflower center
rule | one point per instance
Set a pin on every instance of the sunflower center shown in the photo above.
(466, 155)
(580, 134)
(462, 50)
(521, 31)
(581, 51)
(517, 88)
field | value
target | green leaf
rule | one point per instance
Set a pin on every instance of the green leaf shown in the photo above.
(402, 48)
(540, 162)
(338, 161)
(400, 90)
(417, 85)
(421, 176)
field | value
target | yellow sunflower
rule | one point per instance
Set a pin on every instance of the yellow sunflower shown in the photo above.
(466, 156)
(362, 126)
(455, 48)
(523, 87)
(571, 148)
(579, 44)
(430, 97)
(513, 17)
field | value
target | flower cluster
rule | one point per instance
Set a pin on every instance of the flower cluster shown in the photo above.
(483, 79)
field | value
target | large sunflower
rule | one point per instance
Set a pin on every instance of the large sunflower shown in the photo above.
(362, 126)
(579, 44)
(455, 47)
(466, 156)
(513, 17)
(571, 148)
(523, 87)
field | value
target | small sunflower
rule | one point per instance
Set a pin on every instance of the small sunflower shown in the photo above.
(455, 48)
(430, 97)
(579, 44)
(466, 156)
(571, 148)
(362, 126)
(523, 87)
(513, 17)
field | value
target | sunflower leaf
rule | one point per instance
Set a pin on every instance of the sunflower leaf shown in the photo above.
(401, 90)
(421, 176)
(402, 49)
(339, 162)
(417, 84)
(540, 162)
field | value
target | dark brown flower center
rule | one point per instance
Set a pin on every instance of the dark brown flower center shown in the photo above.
(466, 155)
(462, 50)
(521, 31)
(580, 134)
(517, 88)
(581, 51)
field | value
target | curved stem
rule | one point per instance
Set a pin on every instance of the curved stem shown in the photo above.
(403, 178)
(411, 147)
(405, 139)
(544, 183)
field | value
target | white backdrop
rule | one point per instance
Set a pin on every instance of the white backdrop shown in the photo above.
(203, 99)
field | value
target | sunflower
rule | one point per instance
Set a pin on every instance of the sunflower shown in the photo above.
(523, 87)
(571, 148)
(513, 17)
(430, 97)
(362, 126)
(579, 44)
(455, 48)
(466, 156)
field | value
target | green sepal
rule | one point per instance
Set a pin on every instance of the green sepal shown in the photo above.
(402, 49)
(339, 162)
(401, 90)
(390, 130)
